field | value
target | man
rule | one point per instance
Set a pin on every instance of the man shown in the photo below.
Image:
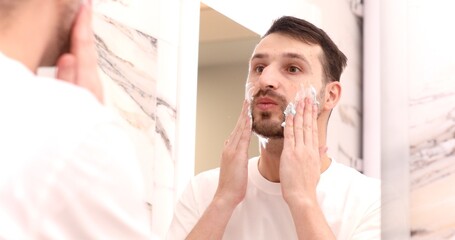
(293, 190)
(67, 170)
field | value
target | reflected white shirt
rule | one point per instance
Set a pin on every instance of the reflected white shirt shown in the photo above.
(349, 200)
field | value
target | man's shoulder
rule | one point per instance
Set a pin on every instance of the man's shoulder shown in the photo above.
(75, 112)
(62, 119)
(207, 177)
(201, 189)
(352, 182)
(65, 104)
(343, 172)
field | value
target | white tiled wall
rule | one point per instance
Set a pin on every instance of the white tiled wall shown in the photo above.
(143, 51)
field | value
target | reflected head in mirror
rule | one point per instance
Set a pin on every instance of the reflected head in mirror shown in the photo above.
(292, 57)
(332, 59)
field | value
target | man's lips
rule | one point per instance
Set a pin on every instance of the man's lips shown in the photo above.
(266, 103)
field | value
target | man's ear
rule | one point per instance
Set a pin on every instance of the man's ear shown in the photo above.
(332, 95)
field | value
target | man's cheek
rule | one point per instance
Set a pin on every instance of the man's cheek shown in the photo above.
(250, 91)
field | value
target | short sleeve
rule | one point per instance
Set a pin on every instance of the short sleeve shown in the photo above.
(186, 214)
(370, 225)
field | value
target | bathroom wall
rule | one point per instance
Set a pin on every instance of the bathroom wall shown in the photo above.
(148, 64)
(220, 97)
(418, 119)
(432, 119)
(225, 48)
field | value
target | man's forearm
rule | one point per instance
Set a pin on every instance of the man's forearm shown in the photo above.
(309, 220)
(213, 222)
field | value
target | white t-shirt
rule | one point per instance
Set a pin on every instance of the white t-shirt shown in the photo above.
(67, 169)
(349, 200)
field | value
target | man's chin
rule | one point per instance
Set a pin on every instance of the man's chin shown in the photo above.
(268, 132)
(274, 137)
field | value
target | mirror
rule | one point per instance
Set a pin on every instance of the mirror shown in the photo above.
(224, 51)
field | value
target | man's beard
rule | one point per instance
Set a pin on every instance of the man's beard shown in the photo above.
(263, 123)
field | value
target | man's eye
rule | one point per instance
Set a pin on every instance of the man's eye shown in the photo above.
(293, 69)
(259, 69)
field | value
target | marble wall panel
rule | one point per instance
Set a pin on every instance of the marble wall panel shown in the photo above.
(137, 42)
(432, 120)
(127, 60)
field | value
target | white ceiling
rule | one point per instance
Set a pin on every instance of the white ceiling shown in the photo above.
(223, 41)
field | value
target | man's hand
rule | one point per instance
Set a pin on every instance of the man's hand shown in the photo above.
(234, 162)
(300, 164)
(80, 65)
(232, 182)
(300, 169)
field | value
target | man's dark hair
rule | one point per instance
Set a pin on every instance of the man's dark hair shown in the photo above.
(333, 60)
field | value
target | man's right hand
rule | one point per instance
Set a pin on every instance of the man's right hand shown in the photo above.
(234, 162)
(79, 66)
(232, 182)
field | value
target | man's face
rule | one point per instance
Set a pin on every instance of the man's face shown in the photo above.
(279, 67)
(60, 42)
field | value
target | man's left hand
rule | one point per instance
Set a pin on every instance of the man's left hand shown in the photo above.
(300, 164)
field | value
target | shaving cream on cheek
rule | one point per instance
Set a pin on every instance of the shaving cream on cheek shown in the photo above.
(303, 92)
(250, 89)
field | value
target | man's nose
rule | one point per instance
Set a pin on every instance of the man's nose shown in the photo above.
(269, 78)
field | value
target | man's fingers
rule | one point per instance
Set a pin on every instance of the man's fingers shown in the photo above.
(66, 68)
(288, 132)
(244, 141)
(236, 134)
(315, 127)
(82, 35)
(298, 124)
(83, 39)
(83, 48)
(244, 126)
(308, 122)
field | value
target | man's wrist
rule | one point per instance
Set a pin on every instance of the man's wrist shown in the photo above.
(301, 201)
(224, 204)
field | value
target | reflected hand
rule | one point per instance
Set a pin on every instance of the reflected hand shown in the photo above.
(300, 163)
(234, 162)
(79, 66)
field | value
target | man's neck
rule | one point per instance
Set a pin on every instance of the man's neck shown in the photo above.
(269, 160)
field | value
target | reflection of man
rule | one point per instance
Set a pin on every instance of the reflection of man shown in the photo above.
(293, 190)
(67, 170)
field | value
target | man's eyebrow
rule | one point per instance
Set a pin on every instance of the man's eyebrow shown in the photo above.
(298, 56)
(259, 55)
(286, 55)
